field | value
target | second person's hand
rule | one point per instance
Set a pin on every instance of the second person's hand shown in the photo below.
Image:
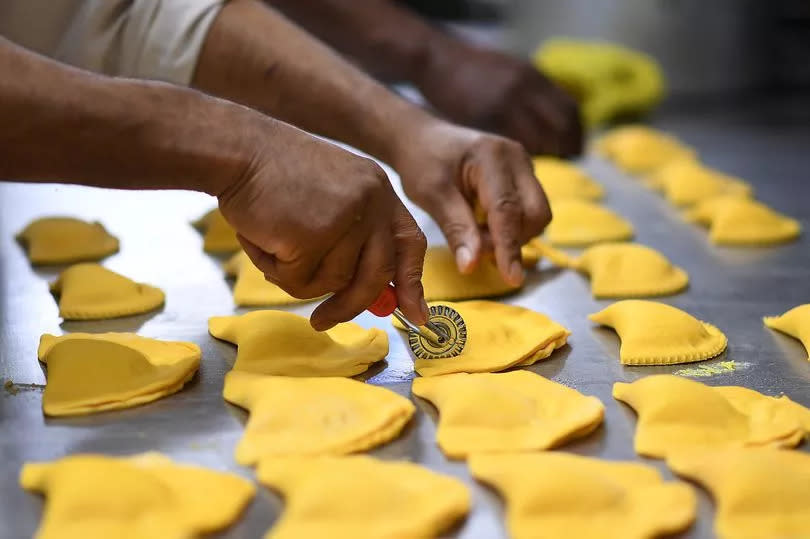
(317, 219)
(496, 92)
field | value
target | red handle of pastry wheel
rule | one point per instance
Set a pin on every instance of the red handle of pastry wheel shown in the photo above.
(386, 303)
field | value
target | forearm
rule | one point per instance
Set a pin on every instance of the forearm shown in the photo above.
(64, 124)
(387, 40)
(255, 56)
(466, 83)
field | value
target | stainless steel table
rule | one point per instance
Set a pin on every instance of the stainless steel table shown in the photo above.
(767, 143)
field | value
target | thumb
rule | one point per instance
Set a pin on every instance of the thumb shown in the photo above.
(455, 217)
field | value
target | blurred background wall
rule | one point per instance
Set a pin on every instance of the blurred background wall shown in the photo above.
(704, 46)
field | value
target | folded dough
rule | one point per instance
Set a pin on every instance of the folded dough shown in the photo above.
(139, 497)
(608, 80)
(529, 256)
(284, 344)
(560, 179)
(442, 280)
(739, 221)
(557, 257)
(219, 237)
(630, 270)
(761, 492)
(686, 182)
(677, 414)
(578, 223)
(640, 149)
(553, 495)
(512, 411)
(781, 408)
(359, 496)
(499, 336)
(313, 416)
(90, 292)
(63, 240)
(795, 322)
(655, 333)
(251, 289)
(621, 270)
(90, 373)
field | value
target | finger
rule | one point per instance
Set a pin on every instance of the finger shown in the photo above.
(564, 121)
(564, 107)
(575, 140)
(409, 247)
(546, 107)
(338, 267)
(558, 92)
(565, 99)
(543, 114)
(536, 210)
(455, 217)
(499, 197)
(261, 259)
(292, 277)
(296, 277)
(534, 132)
(375, 269)
(268, 265)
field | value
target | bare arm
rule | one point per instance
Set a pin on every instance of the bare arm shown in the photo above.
(468, 84)
(389, 41)
(255, 56)
(65, 124)
(315, 218)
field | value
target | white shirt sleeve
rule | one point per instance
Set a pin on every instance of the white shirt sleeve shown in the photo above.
(149, 39)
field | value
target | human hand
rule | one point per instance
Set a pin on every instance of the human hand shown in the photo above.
(317, 219)
(450, 170)
(499, 93)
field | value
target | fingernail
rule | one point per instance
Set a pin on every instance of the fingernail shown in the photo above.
(516, 273)
(463, 258)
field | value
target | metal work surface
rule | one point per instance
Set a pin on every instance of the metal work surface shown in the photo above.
(731, 288)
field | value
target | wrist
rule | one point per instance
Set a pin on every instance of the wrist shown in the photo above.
(418, 142)
(442, 53)
(117, 133)
(402, 130)
(205, 144)
(234, 137)
(400, 41)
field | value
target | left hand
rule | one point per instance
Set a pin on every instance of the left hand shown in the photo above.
(447, 170)
(496, 92)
